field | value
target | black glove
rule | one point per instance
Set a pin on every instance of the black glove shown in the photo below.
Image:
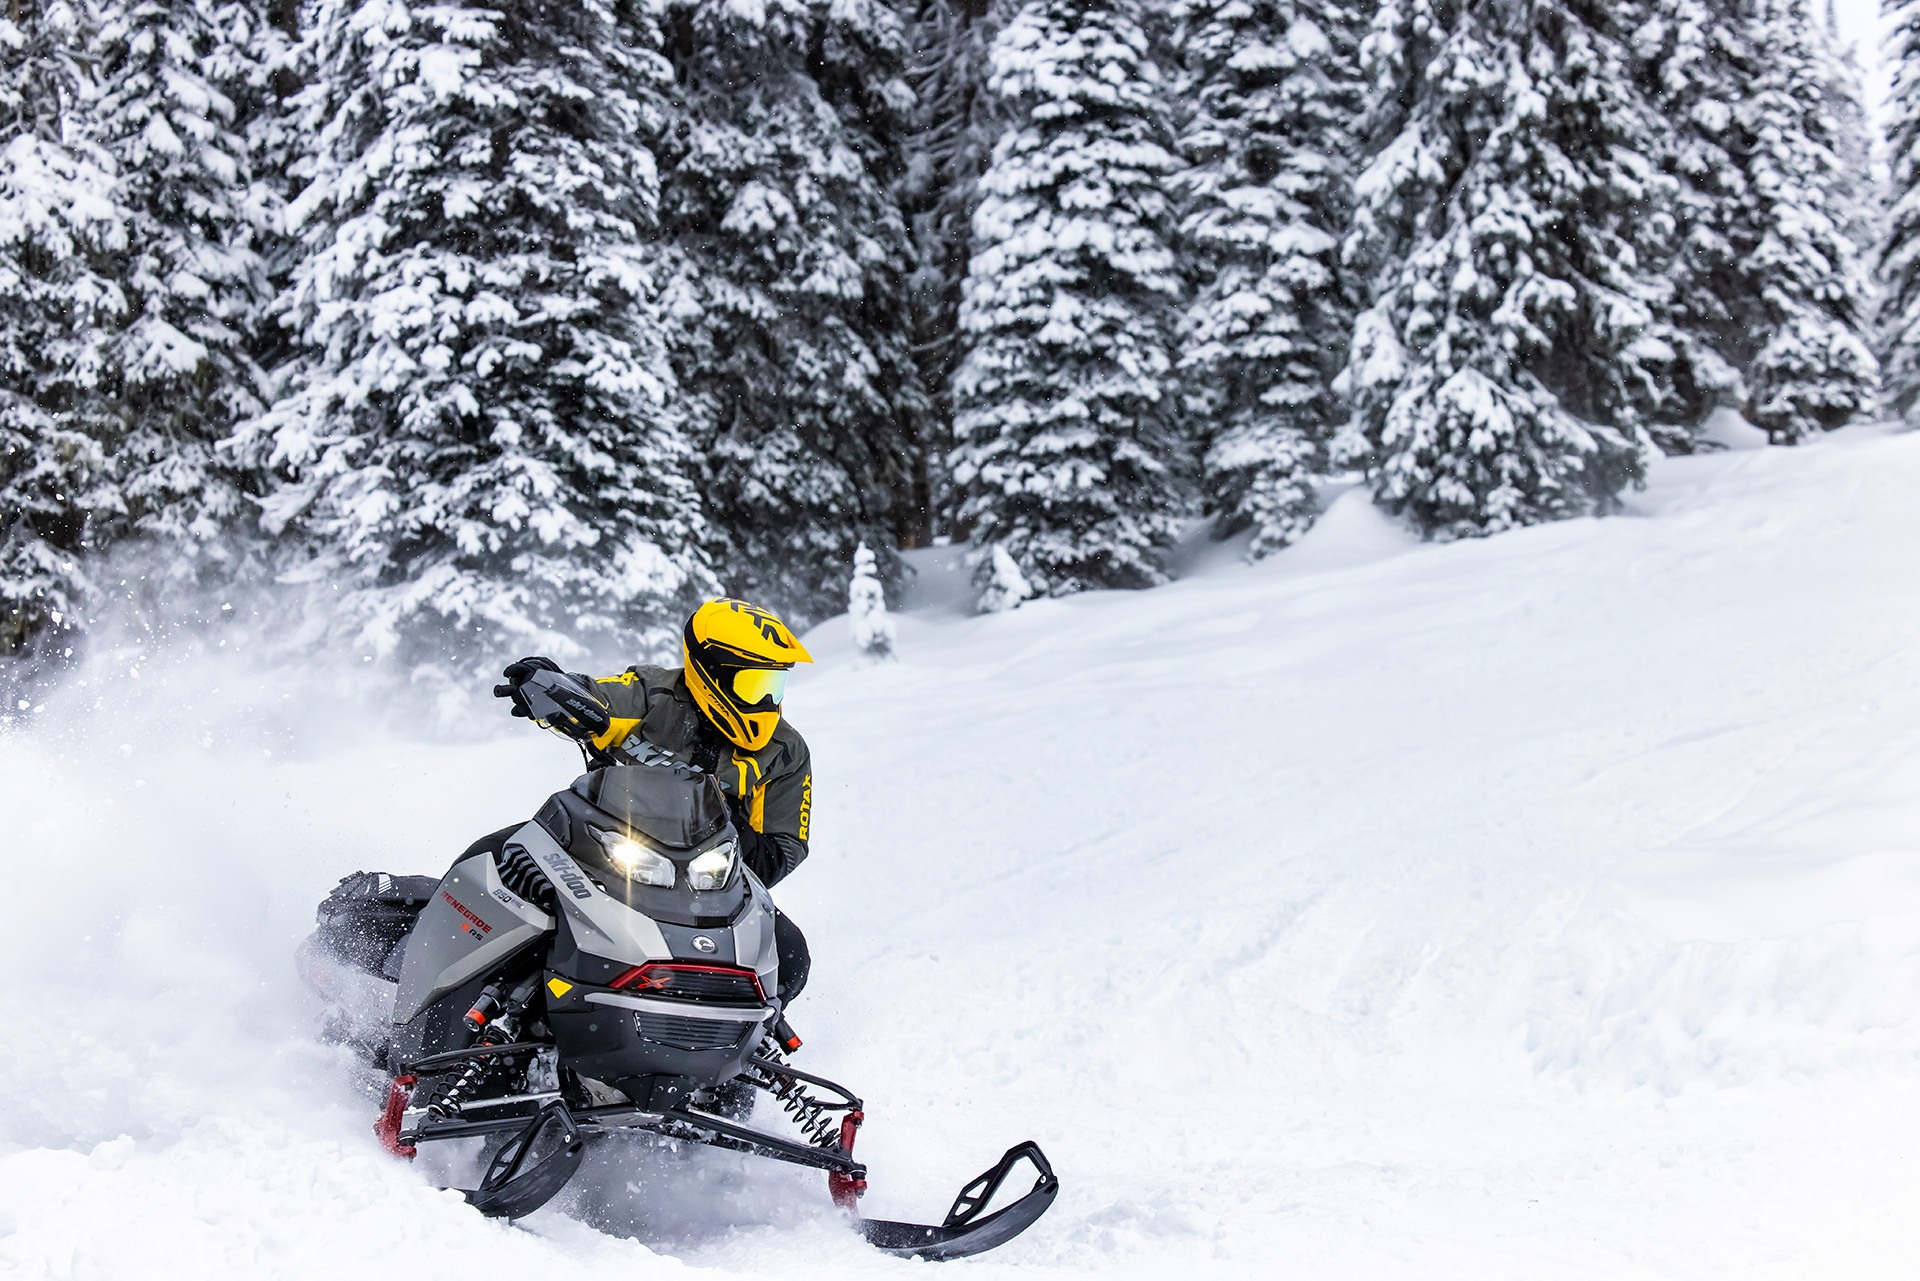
(559, 700)
(516, 674)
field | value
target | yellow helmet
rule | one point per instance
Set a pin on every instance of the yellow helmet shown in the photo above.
(737, 658)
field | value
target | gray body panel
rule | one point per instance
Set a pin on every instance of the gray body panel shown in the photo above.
(601, 925)
(752, 931)
(473, 923)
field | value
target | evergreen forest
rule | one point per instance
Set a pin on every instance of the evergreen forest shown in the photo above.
(482, 328)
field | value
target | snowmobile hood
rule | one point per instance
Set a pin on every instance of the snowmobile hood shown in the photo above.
(674, 807)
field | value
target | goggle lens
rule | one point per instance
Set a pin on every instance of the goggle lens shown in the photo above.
(754, 684)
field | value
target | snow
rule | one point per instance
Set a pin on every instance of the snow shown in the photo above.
(1538, 905)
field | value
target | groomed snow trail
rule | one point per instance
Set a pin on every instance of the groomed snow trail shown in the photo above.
(1547, 905)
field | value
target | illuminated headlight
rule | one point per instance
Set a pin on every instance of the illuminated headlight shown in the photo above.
(635, 861)
(712, 870)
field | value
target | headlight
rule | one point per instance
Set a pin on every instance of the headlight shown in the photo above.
(635, 861)
(712, 870)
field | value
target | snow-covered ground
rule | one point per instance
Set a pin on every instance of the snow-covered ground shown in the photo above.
(1543, 906)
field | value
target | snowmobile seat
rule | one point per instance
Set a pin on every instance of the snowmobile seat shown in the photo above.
(366, 916)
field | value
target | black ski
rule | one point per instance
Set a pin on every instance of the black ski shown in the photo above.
(966, 1231)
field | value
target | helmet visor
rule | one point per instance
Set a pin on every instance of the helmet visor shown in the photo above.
(754, 685)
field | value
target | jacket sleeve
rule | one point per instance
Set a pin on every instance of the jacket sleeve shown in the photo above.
(776, 843)
(627, 697)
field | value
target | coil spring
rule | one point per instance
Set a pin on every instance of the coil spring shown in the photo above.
(498, 1032)
(809, 1113)
(449, 1101)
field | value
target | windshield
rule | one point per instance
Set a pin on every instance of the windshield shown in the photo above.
(670, 807)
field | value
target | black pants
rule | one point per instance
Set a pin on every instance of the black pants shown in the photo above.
(795, 957)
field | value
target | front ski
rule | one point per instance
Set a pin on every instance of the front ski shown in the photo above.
(966, 1230)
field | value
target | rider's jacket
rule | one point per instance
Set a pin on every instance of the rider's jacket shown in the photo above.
(772, 789)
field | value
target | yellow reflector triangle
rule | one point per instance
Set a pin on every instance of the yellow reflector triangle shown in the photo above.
(559, 987)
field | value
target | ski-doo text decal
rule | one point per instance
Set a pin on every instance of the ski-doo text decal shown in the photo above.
(569, 875)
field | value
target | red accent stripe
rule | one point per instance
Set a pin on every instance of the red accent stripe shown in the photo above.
(667, 969)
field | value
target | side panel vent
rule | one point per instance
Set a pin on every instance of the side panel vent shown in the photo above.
(519, 873)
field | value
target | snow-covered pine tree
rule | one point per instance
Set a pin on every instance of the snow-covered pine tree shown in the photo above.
(1861, 192)
(1065, 458)
(1769, 301)
(955, 124)
(197, 285)
(264, 65)
(1900, 257)
(867, 618)
(474, 444)
(1814, 371)
(790, 334)
(1006, 587)
(1899, 260)
(1682, 47)
(58, 308)
(1274, 87)
(1500, 224)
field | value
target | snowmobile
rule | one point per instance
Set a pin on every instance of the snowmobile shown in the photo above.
(611, 967)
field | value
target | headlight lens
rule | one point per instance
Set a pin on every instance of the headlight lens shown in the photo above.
(635, 861)
(713, 869)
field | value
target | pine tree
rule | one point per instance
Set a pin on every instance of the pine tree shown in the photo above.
(790, 335)
(197, 284)
(872, 628)
(475, 436)
(1860, 195)
(58, 221)
(1274, 87)
(1769, 300)
(1063, 401)
(955, 124)
(1900, 257)
(1501, 223)
(1006, 587)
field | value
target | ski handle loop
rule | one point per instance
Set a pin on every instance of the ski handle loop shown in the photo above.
(506, 1163)
(975, 1196)
(513, 1188)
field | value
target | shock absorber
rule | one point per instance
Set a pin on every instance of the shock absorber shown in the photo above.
(810, 1114)
(495, 1017)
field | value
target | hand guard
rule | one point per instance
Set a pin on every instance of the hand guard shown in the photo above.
(559, 700)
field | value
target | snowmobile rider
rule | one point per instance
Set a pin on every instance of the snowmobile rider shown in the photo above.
(720, 713)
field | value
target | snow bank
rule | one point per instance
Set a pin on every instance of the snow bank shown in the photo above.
(1543, 905)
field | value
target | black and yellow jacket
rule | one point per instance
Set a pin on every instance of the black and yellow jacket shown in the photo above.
(771, 789)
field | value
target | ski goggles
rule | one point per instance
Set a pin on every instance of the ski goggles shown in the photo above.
(754, 685)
